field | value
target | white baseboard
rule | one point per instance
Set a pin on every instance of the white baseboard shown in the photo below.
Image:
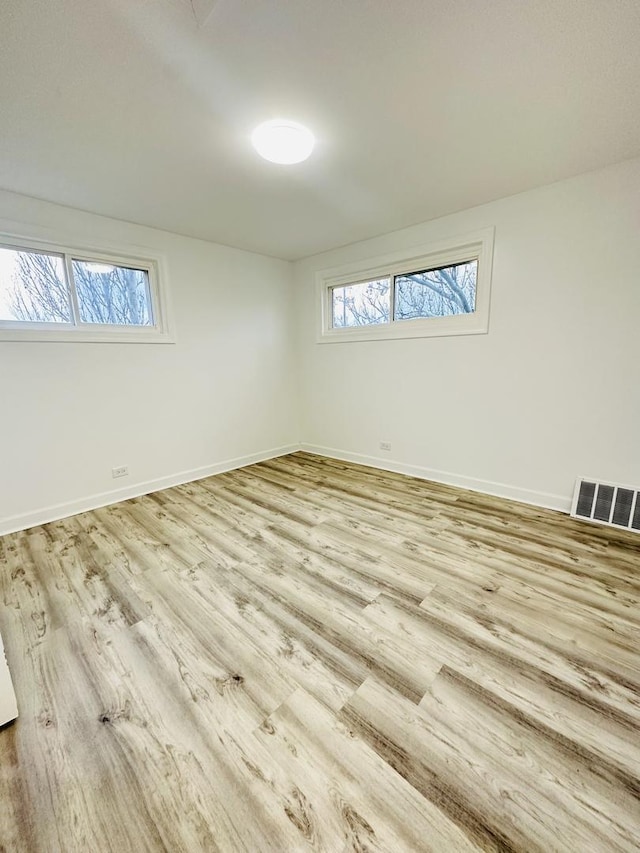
(501, 490)
(11, 524)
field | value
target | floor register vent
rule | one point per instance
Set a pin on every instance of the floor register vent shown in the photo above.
(606, 503)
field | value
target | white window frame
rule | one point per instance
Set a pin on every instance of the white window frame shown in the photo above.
(152, 264)
(472, 247)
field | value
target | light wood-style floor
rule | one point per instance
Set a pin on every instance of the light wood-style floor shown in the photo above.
(310, 655)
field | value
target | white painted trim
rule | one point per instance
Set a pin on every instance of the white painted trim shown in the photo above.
(8, 704)
(501, 490)
(13, 523)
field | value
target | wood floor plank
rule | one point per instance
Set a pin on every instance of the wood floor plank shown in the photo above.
(175, 600)
(23, 594)
(365, 803)
(383, 653)
(88, 581)
(475, 757)
(580, 676)
(66, 768)
(533, 693)
(144, 551)
(294, 549)
(308, 654)
(358, 564)
(555, 775)
(347, 669)
(268, 625)
(604, 590)
(567, 625)
(268, 501)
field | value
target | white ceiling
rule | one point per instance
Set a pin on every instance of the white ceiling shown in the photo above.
(142, 109)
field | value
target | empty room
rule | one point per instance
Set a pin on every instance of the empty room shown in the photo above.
(319, 444)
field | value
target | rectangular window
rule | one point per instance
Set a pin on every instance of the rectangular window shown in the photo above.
(433, 291)
(56, 293)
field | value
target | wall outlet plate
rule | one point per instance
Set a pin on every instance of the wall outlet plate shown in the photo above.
(385, 445)
(122, 471)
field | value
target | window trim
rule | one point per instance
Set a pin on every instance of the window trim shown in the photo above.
(476, 246)
(152, 264)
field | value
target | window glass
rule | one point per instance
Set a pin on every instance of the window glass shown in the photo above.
(33, 287)
(426, 291)
(364, 304)
(440, 292)
(111, 294)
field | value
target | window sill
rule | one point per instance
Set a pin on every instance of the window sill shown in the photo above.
(77, 335)
(434, 327)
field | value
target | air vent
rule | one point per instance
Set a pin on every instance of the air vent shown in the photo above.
(607, 503)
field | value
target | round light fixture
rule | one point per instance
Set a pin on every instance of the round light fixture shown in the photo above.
(283, 141)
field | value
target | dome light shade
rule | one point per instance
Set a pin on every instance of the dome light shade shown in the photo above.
(283, 141)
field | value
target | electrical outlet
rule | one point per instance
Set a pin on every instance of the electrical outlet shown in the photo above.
(122, 471)
(385, 445)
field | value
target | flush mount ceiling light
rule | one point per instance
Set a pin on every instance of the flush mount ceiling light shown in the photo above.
(283, 141)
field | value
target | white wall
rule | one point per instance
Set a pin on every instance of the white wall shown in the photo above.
(551, 393)
(221, 395)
